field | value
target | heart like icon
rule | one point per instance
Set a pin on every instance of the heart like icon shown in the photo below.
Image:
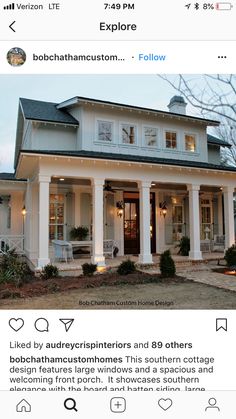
(165, 404)
(16, 324)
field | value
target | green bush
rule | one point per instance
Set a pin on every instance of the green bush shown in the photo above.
(167, 265)
(79, 233)
(127, 267)
(49, 271)
(230, 256)
(89, 269)
(13, 269)
(184, 246)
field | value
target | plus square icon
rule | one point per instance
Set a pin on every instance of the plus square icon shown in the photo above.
(118, 405)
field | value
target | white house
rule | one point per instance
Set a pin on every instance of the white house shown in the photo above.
(116, 169)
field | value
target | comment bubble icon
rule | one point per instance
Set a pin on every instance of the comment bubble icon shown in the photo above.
(41, 325)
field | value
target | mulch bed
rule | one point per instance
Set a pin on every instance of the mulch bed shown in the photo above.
(38, 286)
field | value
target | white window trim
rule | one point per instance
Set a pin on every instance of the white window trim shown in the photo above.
(58, 192)
(96, 140)
(144, 145)
(196, 143)
(177, 149)
(136, 144)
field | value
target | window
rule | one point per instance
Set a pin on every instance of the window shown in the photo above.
(206, 219)
(177, 222)
(171, 140)
(128, 134)
(56, 217)
(190, 143)
(105, 131)
(150, 135)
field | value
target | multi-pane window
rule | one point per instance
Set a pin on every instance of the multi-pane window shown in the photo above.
(190, 142)
(128, 134)
(150, 135)
(177, 222)
(56, 217)
(105, 131)
(171, 139)
(206, 219)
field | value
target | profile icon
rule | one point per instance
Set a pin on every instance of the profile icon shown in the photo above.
(16, 57)
(212, 405)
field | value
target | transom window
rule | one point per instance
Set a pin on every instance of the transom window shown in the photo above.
(190, 143)
(105, 131)
(150, 135)
(171, 139)
(128, 134)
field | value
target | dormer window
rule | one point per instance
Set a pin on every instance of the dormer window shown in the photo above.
(105, 129)
(128, 133)
(171, 140)
(190, 142)
(150, 135)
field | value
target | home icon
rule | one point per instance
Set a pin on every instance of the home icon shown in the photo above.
(23, 406)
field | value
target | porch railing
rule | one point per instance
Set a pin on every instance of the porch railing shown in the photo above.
(10, 242)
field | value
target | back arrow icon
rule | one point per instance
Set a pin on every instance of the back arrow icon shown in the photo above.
(10, 26)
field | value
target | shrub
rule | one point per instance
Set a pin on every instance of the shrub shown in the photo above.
(49, 271)
(167, 265)
(13, 269)
(230, 256)
(127, 267)
(89, 269)
(79, 233)
(184, 246)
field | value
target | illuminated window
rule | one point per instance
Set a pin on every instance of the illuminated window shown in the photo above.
(56, 217)
(190, 143)
(171, 140)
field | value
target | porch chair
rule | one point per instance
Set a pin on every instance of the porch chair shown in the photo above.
(218, 244)
(108, 247)
(62, 250)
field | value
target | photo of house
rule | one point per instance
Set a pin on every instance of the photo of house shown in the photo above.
(134, 180)
(77, 159)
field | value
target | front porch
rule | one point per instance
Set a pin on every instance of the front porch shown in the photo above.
(144, 208)
(75, 267)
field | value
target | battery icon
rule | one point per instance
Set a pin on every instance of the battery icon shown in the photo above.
(223, 6)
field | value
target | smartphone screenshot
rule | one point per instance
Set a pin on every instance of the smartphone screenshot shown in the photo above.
(117, 209)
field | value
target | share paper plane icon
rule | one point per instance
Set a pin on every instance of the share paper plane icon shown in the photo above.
(67, 323)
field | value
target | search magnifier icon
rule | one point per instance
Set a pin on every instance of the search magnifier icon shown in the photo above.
(70, 404)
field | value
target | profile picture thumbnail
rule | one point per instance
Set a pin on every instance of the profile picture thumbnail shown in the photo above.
(16, 57)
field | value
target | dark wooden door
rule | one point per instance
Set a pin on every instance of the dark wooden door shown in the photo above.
(131, 226)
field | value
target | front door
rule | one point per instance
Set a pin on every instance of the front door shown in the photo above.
(131, 225)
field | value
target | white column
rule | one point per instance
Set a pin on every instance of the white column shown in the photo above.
(145, 237)
(160, 228)
(98, 257)
(194, 222)
(43, 231)
(220, 214)
(229, 216)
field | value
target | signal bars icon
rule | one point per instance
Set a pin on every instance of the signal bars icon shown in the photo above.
(10, 6)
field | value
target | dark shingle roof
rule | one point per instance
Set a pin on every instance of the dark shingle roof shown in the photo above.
(78, 99)
(216, 141)
(46, 111)
(131, 158)
(9, 176)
